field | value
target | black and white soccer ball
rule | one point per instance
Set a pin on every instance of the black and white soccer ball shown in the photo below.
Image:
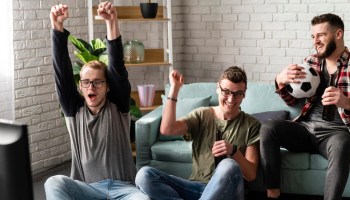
(308, 86)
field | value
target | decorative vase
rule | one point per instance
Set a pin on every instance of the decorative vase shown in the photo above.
(149, 10)
(134, 51)
(146, 94)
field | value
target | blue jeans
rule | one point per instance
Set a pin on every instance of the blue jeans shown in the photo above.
(62, 187)
(226, 183)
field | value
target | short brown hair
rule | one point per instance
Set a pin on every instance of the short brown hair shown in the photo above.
(234, 74)
(95, 64)
(333, 20)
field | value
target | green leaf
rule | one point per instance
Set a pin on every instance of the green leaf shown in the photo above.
(135, 111)
(86, 57)
(132, 102)
(77, 43)
(89, 57)
(80, 56)
(98, 52)
(104, 58)
(76, 67)
(99, 47)
(87, 46)
(98, 44)
(76, 71)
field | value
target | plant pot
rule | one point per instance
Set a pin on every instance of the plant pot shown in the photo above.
(149, 10)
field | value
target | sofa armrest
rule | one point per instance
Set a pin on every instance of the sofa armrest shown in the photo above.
(146, 134)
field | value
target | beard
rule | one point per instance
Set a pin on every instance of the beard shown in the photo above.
(330, 48)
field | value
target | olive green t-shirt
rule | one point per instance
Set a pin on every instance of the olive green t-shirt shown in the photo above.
(242, 131)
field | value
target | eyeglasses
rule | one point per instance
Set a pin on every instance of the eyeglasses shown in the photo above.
(96, 83)
(227, 93)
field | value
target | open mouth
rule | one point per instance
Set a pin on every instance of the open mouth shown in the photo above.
(92, 96)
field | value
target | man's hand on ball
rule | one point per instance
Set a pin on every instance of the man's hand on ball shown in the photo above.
(292, 74)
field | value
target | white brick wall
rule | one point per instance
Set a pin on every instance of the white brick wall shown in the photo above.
(263, 36)
(35, 96)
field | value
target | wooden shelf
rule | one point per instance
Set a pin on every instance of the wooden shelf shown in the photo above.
(153, 57)
(132, 13)
(150, 108)
(161, 57)
(136, 20)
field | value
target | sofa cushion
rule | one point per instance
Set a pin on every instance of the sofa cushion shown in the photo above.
(271, 115)
(183, 107)
(294, 160)
(174, 151)
(318, 162)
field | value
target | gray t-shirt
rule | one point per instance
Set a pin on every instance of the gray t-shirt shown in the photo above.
(242, 131)
(101, 150)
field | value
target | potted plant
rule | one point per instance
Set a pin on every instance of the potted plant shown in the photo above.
(149, 10)
(96, 51)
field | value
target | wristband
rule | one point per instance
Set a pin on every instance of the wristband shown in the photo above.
(234, 150)
(172, 99)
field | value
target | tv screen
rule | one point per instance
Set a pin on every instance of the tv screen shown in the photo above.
(15, 171)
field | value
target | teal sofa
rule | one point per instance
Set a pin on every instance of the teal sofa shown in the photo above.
(301, 173)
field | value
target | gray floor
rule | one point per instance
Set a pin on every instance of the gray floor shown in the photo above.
(39, 180)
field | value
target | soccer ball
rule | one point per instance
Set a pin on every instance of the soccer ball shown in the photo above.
(308, 86)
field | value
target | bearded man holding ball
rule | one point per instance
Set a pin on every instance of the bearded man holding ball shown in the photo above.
(309, 132)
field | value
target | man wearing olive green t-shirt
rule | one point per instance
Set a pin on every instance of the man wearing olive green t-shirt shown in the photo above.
(224, 147)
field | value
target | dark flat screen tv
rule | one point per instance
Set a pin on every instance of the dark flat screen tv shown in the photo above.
(15, 171)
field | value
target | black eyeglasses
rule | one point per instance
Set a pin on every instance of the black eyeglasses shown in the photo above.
(227, 93)
(96, 83)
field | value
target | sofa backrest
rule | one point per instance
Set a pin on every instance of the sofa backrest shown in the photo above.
(194, 90)
(260, 97)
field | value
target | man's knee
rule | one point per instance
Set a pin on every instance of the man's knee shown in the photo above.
(143, 175)
(57, 182)
(228, 167)
(229, 172)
